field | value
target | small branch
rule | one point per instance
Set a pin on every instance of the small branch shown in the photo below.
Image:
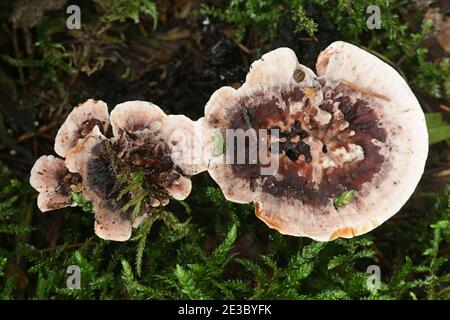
(31, 135)
(18, 56)
(414, 48)
(68, 246)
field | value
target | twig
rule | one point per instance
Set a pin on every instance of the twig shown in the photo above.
(400, 61)
(28, 136)
(243, 48)
(444, 107)
(69, 246)
(18, 55)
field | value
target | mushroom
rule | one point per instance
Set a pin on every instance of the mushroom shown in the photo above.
(354, 130)
(141, 148)
(79, 123)
(161, 144)
(50, 177)
(92, 160)
(146, 144)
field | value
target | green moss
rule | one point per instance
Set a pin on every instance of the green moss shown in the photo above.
(120, 10)
(78, 198)
(343, 198)
(398, 41)
(207, 247)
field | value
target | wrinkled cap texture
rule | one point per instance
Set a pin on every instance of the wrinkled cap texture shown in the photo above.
(180, 135)
(144, 141)
(355, 126)
(91, 159)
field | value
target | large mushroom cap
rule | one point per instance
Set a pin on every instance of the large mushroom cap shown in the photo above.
(356, 128)
(79, 123)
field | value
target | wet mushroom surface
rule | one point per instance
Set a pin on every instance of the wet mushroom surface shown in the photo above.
(355, 128)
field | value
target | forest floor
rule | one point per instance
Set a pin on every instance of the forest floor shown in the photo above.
(176, 54)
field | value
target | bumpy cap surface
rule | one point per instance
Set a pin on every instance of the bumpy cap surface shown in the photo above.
(146, 141)
(354, 127)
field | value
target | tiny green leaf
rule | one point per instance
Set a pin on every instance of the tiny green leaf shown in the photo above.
(219, 144)
(343, 199)
(78, 198)
(438, 129)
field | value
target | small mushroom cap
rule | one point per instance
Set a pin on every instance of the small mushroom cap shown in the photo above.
(79, 123)
(46, 177)
(87, 159)
(180, 189)
(185, 140)
(110, 225)
(356, 126)
(134, 116)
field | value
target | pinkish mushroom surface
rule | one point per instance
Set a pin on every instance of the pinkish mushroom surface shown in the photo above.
(127, 176)
(92, 159)
(51, 178)
(157, 144)
(354, 130)
(79, 123)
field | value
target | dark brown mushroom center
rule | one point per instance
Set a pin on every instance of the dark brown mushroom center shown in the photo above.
(318, 159)
(100, 172)
(67, 180)
(291, 142)
(152, 157)
(114, 166)
(86, 127)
